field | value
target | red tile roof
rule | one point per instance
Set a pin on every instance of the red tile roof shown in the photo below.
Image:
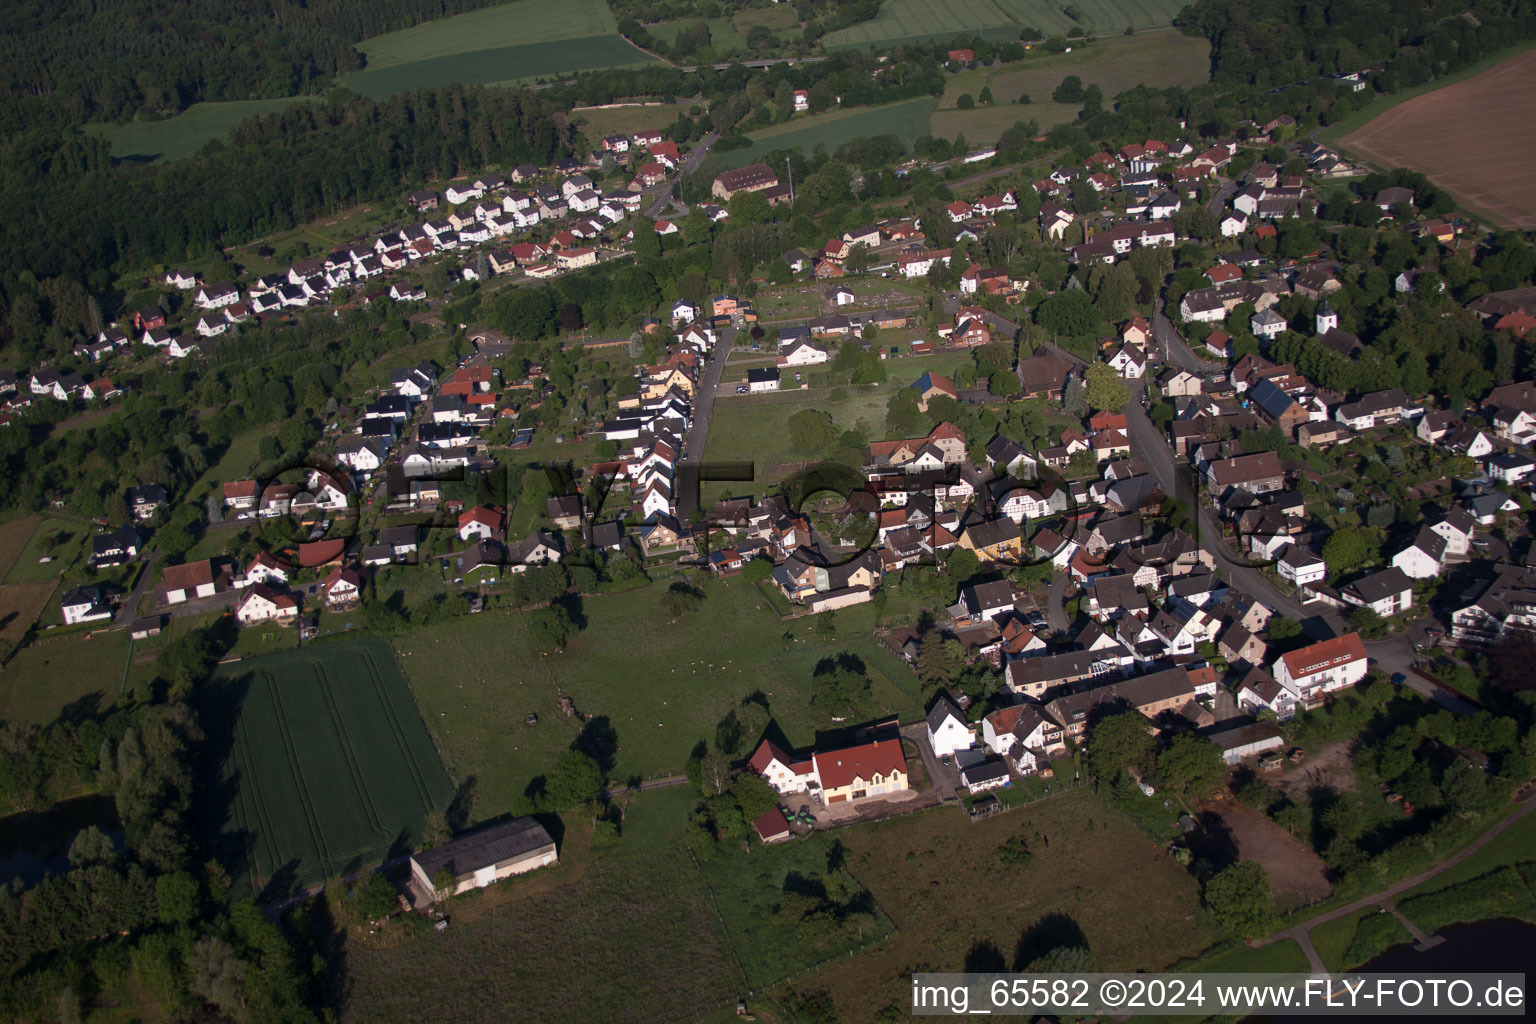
(839, 768)
(1341, 650)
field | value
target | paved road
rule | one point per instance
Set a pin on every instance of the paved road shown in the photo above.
(943, 779)
(1301, 932)
(1219, 200)
(128, 610)
(690, 164)
(687, 493)
(1175, 348)
(1055, 603)
(1176, 481)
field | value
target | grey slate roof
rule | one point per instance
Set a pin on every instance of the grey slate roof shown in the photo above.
(485, 847)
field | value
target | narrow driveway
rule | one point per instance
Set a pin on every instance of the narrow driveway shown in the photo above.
(1056, 603)
(1302, 932)
(1219, 200)
(129, 608)
(943, 780)
(687, 493)
(1175, 349)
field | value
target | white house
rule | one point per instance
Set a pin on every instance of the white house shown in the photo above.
(783, 774)
(83, 604)
(1457, 529)
(1022, 727)
(1386, 593)
(803, 353)
(1424, 558)
(262, 604)
(948, 731)
(1323, 668)
(1301, 566)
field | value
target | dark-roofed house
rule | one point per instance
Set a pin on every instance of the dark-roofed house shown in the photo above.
(948, 730)
(1045, 376)
(1152, 695)
(987, 600)
(752, 178)
(1276, 406)
(484, 856)
(1257, 474)
(1378, 409)
(1386, 593)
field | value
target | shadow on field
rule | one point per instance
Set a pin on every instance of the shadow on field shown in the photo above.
(218, 706)
(1051, 932)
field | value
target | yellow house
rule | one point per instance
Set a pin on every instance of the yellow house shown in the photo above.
(658, 385)
(994, 539)
(857, 773)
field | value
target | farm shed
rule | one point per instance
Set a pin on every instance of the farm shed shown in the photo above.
(480, 858)
(1247, 740)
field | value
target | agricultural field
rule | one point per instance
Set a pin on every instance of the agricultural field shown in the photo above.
(659, 685)
(55, 675)
(328, 764)
(908, 21)
(507, 43)
(1114, 64)
(181, 136)
(906, 120)
(1463, 138)
(1088, 865)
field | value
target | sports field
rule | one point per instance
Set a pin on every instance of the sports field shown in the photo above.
(182, 136)
(906, 21)
(328, 765)
(1470, 138)
(905, 120)
(507, 43)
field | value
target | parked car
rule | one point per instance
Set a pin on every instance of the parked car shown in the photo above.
(1398, 678)
(741, 389)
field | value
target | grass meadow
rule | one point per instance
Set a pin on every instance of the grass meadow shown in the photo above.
(906, 120)
(66, 673)
(906, 21)
(62, 541)
(662, 685)
(328, 766)
(181, 136)
(657, 937)
(627, 119)
(1114, 64)
(954, 901)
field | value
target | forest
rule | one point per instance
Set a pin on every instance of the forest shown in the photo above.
(77, 61)
(1271, 43)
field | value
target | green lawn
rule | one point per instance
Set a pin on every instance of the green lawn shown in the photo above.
(181, 136)
(909, 21)
(627, 120)
(661, 685)
(1283, 957)
(906, 120)
(326, 764)
(60, 540)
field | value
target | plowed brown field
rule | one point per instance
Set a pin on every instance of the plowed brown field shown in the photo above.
(1476, 138)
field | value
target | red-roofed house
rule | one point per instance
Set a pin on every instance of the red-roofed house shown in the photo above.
(1517, 323)
(262, 604)
(342, 589)
(666, 153)
(240, 494)
(1322, 668)
(320, 553)
(480, 523)
(783, 774)
(966, 56)
(858, 773)
(181, 583)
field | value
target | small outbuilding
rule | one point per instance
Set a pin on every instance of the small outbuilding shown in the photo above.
(772, 827)
(485, 856)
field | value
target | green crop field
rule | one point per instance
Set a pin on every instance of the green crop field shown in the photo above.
(628, 119)
(905, 120)
(183, 135)
(662, 685)
(328, 766)
(507, 43)
(914, 20)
